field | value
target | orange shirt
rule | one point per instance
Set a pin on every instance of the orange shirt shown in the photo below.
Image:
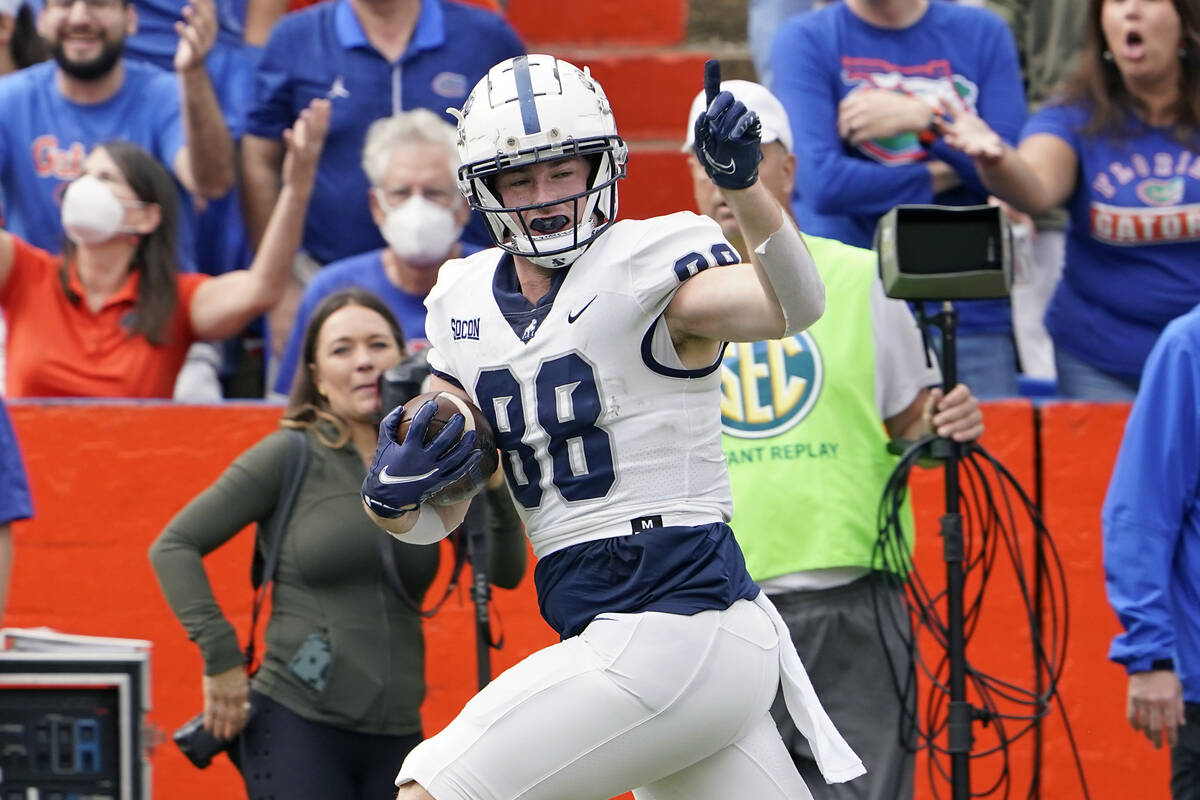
(57, 348)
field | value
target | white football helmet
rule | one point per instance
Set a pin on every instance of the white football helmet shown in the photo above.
(530, 109)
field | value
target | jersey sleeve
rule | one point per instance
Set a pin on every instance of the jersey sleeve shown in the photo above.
(670, 250)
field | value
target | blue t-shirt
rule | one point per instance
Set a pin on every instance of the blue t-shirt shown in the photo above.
(14, 486)
(952, 51)
(1132, 261)
(44, 138)
(156, 40)
(1151, 513)
(322, 51)
(364, 271)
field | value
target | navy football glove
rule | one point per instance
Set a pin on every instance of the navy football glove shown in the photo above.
(404, 475)
(728, 136)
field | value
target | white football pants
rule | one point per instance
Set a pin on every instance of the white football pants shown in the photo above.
(673, 706)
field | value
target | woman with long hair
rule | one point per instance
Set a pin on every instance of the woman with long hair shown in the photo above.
(336, 701)
(113, 316)
(1120, 148)
(20, 44)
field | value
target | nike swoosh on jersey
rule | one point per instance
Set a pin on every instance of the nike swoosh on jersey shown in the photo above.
(385, 478)
(572, 317)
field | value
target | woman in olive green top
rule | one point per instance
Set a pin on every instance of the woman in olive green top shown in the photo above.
(336, 701)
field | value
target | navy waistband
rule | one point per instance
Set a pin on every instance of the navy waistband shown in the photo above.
(674, 569)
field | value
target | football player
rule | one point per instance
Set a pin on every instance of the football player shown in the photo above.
(592, 346)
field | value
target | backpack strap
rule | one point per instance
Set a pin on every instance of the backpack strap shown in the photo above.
(269, 536)
(391, 573)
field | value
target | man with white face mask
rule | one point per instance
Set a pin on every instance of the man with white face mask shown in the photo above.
(410, 160)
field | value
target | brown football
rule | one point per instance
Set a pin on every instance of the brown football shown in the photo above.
(448, 406)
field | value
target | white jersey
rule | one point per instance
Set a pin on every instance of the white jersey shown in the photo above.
(599, 424)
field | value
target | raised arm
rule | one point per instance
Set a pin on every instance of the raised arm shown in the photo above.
(246, 492)
(1035, 177)
(223, 305)
(262, 160)
(205, 165)
(779, 292)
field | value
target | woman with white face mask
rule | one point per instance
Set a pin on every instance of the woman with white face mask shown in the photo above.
(112, 317)
(410, 160)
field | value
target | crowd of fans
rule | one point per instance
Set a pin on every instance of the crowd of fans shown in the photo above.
(875, 80)
(190, 189)
(96, 76)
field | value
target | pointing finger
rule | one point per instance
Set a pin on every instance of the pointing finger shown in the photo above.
(712, 81)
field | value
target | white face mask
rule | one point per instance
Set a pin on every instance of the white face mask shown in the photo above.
(418, 230)
(91, 213)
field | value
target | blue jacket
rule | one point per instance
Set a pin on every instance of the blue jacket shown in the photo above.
(14, 486)
(1151, 515)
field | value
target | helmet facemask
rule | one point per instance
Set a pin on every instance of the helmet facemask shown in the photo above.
(570, 117)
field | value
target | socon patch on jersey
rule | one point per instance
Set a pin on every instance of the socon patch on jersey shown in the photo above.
(769, 387)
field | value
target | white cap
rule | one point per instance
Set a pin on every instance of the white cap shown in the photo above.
(757, 98)
(9, 8)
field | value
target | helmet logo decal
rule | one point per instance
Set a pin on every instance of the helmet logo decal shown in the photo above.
(529, 114)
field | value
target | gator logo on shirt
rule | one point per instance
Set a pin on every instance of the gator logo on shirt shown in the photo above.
(769, 387)
(933, 82)
(52, 161)
(449, 84)
(1155, 192)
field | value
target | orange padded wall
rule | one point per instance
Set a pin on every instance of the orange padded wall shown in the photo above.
(106, 479)
(1080, 443)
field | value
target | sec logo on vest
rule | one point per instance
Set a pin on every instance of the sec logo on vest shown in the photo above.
(769, 387)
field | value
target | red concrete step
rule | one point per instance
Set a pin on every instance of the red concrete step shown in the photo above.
(658, 182)
(606, 22)
(650, 92)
